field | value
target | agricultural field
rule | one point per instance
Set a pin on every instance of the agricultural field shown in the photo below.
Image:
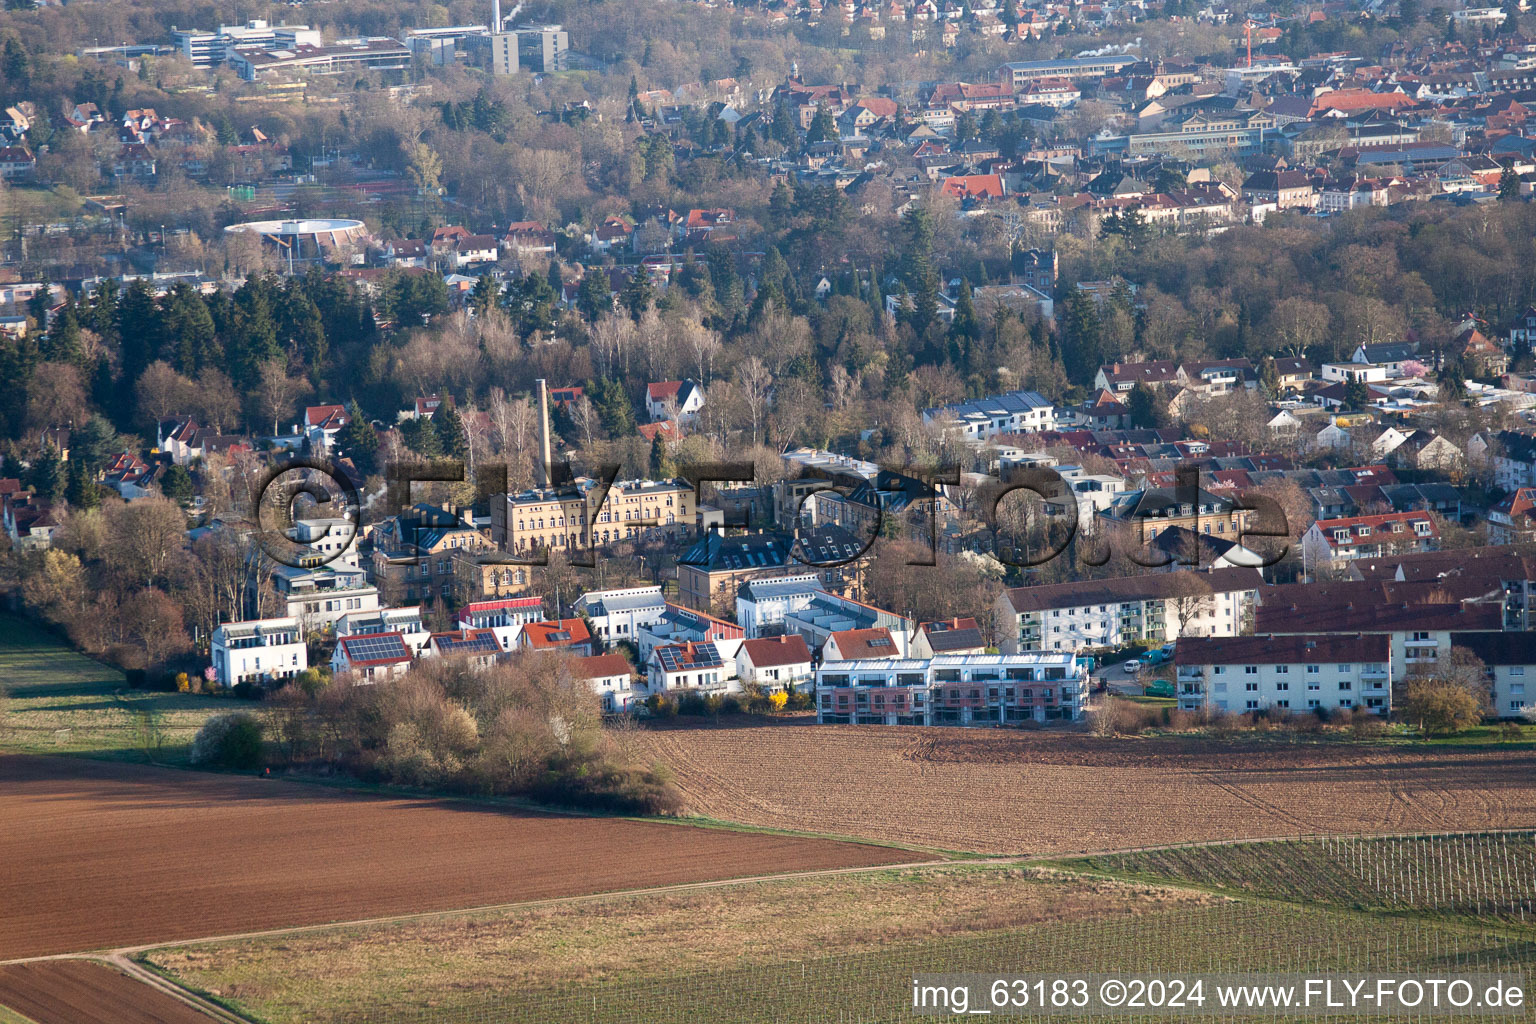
(87, 992)
(1483, 879)
(55, 700)
(154, 854)
(1049, 793)
(461, 960)
(874, 988)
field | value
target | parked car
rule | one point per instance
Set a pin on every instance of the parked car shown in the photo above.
(1131, 667)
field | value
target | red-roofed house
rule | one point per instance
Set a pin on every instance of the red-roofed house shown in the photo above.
(774, 662)
(1513, 520)
(561, 634)
(974, 186)
(695, 665)
(856, 644)
(372, 656)
(678, 400)
(1331, 543)
(611, 677)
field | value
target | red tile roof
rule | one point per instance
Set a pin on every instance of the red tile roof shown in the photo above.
(773, 651)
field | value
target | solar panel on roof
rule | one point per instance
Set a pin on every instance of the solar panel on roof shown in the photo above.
(559, 636)
(373, 648)
(880, 641)
(706, 656)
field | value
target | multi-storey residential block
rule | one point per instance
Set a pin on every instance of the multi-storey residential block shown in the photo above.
(1510, 660)
(986, 689)
(1300, 672)
(1418, 618)
(1150, 609)
(261, 651)
(1330, 543)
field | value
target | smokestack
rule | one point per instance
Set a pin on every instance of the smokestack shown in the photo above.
(544, 461)
(495, 15)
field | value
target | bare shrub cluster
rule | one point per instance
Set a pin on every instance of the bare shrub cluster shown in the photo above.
(523, 727)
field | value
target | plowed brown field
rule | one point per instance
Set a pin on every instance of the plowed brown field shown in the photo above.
(81, 992)
(1011, 792)
(100, 855)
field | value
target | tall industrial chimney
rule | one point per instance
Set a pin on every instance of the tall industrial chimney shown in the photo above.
(495, 16)
(544, 461)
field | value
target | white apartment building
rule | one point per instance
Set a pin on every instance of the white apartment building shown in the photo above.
(326, 542)
(1013, 412)
(318, 597)
(762, 606)
(260, 651)
(951, 689)
(1299, 673)
(620, 614)
(1151, 609)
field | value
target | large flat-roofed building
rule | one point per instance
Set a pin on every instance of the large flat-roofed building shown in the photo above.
(1298, 673)
(1021, 72)
(206, 49)
(348, 55)
(955, 689)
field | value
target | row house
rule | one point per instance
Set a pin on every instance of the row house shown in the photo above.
(1150, 609)
(951, 690)
(1298, 672)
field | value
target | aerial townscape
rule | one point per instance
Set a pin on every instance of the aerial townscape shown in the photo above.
(742, 510)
